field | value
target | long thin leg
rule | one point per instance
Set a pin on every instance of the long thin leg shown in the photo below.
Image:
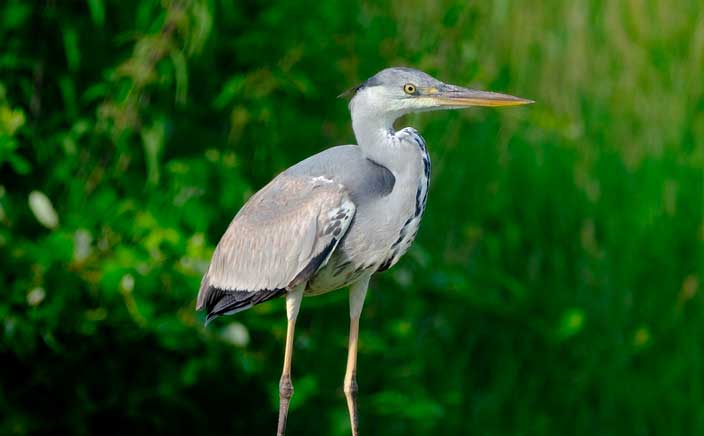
(293, 303)
(357, 293)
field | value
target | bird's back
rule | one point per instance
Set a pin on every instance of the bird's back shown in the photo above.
(364, 180)
(389, 208)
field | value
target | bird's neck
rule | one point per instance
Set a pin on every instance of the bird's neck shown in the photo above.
(376, 137)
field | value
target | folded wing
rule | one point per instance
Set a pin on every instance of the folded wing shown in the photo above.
(278, 240)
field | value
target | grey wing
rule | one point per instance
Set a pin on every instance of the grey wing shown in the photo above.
(278, 240)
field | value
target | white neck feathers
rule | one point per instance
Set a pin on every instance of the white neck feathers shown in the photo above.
(374, 130)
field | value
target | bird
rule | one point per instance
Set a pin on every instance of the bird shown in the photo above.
(338, 217)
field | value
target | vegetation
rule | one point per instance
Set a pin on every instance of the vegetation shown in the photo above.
(556, 284)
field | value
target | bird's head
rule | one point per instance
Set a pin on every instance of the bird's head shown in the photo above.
(396, 91)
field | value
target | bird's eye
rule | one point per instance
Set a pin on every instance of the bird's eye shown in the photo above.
(409, 88)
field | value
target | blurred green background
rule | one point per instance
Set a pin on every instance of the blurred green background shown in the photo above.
(555, 287)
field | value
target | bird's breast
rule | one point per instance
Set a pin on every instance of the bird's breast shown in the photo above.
(408, 231)
(384, 228)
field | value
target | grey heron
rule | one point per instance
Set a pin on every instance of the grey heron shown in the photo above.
(336, 218)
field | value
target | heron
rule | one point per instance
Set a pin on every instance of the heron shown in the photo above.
(338, 217)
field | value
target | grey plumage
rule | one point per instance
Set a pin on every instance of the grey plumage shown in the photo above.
(278, 240)
(337, 217)
(306, 209)
(358, 205)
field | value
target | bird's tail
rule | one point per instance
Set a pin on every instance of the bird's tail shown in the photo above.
(218, 302)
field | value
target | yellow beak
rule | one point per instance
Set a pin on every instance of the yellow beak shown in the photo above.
(451, 96)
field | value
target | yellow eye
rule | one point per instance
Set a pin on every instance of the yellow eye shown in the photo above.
(409, 88)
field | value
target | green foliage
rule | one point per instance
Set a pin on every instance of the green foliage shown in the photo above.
(555, 286)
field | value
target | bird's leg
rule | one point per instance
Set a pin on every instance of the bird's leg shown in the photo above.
(351, 387)
(357, 293)
(293, 303)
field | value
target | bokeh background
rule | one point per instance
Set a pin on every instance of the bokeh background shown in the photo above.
(555, 286)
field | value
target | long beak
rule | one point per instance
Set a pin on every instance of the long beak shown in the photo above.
(450, 96)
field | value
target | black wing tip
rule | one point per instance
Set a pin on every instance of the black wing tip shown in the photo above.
(211, 316)
(219, 302)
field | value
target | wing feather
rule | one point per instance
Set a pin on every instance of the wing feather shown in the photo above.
(278, 240)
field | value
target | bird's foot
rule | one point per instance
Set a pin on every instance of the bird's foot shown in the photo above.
(285, 394)
(351, 388)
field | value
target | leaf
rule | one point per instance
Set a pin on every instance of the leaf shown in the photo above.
(19, 164)
(571, 323)
(230, 90)
(10, 120)
(153, 142)
(97, 12)
(43, 210)
(181, 75)
(73, 52)
(15, 15)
